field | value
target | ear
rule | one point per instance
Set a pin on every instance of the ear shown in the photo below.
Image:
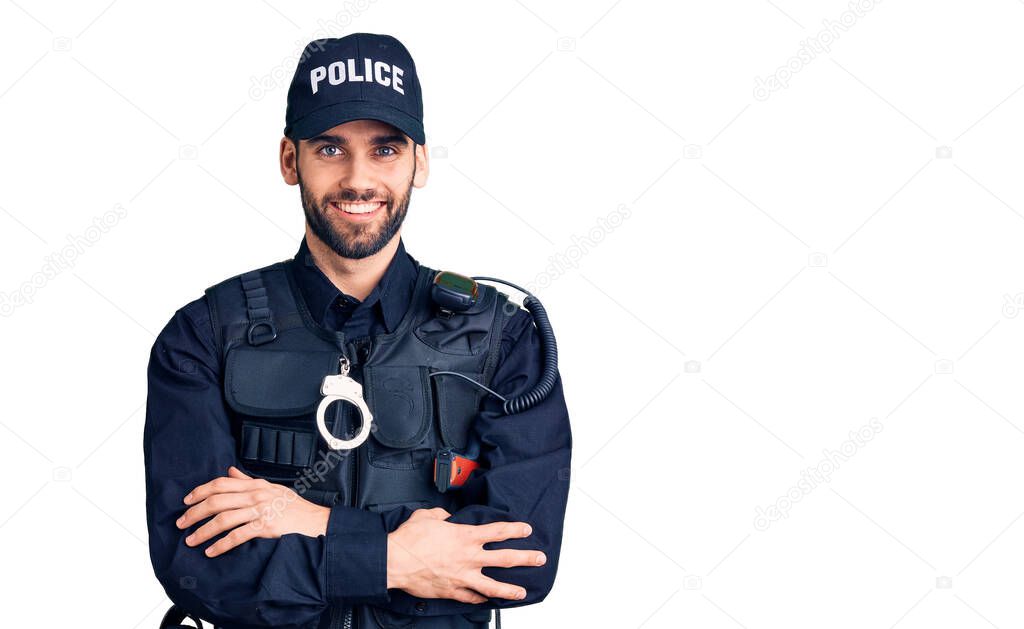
(288, 162)
(422, 166)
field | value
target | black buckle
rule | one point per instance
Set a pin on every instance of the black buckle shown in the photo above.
(443, 469)
(175, 616)
(259, 338)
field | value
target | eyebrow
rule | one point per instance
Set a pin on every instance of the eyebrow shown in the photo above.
(377, 140)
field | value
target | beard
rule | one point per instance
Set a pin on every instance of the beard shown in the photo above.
(349, 239)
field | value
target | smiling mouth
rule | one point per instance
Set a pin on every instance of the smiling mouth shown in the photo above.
(358, 208)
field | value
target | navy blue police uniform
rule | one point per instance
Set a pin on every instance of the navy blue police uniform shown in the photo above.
(234, 379)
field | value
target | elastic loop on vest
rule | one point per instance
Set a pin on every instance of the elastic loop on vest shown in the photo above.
(257, 305)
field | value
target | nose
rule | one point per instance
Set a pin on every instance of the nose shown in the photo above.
(358, 183)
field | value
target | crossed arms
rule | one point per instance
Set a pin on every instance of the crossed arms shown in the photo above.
(242, 551)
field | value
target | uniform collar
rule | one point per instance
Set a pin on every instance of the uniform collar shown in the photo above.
(390, 297)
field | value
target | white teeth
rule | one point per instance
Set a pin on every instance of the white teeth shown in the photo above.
(358, 208)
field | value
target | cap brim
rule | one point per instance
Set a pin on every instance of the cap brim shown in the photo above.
(330, 116)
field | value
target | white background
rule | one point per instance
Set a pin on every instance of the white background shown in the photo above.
(844, 254)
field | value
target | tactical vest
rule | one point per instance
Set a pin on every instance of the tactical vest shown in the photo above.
(276, 357)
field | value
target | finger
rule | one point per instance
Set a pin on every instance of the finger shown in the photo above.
(496, 589)
(234, 472)
(220, 523)
(508, 558)
(466, 595)
(501, 531)
(216, 504)
(219, 485)
(235, 538)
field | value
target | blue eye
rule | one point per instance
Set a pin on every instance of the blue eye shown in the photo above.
(328, 146)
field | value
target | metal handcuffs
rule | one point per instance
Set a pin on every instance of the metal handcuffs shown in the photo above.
(343, 388)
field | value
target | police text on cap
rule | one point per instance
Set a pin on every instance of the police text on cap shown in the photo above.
(345, 70)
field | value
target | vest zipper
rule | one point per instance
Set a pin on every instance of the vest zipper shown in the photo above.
(344, 620)
(348, 623)
(362, 353)
(335, 617)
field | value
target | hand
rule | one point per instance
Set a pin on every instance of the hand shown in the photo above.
(431, 558)
(250, 508)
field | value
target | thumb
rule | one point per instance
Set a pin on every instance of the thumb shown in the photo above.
(437, 513)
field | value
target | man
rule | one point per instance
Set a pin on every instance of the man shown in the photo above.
(254, 518)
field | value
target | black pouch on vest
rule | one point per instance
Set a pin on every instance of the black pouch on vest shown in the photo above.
(456, 404)
(275, 393)
(403, 435)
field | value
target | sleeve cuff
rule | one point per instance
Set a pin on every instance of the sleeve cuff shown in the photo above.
(357, 560)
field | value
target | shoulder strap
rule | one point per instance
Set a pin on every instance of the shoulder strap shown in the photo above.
(257, 305)
(252, 307)
(501, 317)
